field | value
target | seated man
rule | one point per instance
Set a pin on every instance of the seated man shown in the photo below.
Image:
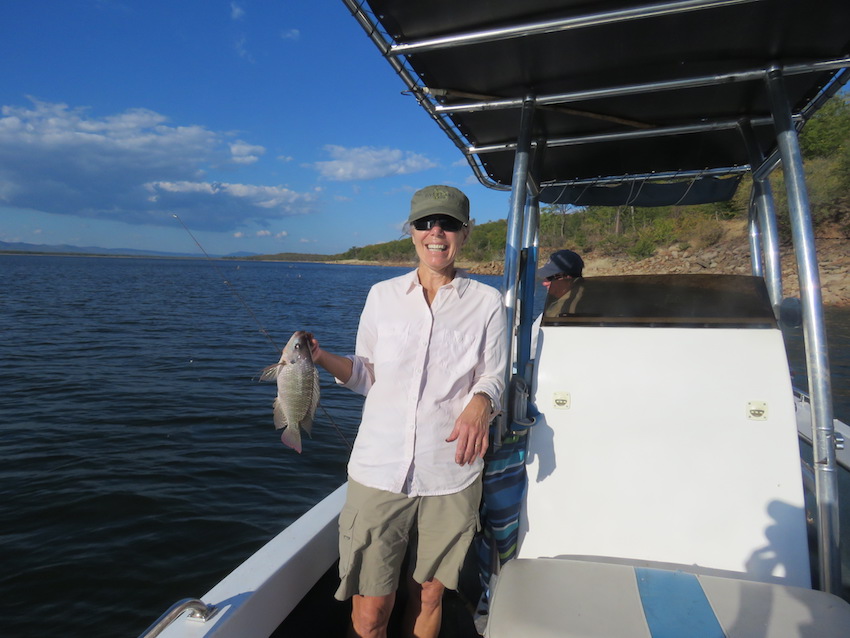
(559, 275)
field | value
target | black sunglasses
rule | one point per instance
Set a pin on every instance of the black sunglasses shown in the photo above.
(448, 224)
(557, 277)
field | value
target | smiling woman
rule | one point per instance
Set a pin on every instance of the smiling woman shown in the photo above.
(430, 359)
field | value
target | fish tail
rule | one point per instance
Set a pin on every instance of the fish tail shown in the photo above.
(292, 438)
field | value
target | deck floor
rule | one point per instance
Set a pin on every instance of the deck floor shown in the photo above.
(320, 614)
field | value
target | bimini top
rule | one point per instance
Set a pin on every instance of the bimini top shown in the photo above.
(625, 93)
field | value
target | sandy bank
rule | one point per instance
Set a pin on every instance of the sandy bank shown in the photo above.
(729, 256)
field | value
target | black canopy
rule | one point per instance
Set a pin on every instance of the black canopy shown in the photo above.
(624, 91)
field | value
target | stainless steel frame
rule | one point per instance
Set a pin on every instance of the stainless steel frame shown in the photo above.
(513, 250)
(750, 75)
(521, 251)
(552, 26)
(764, 233)
(814, 332)
(382, 41)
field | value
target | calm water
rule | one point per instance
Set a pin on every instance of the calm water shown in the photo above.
(140, 464)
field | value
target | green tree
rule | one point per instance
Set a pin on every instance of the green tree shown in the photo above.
(828, 130)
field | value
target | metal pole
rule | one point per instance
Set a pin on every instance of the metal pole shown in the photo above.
(530, 243)
(563, 24)
(480, 103)
(814, 333)
(762, 200)
(513, 243)
(755, 237)
(770, 240)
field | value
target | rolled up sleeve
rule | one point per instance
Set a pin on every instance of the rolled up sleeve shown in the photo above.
(490, 375)
(362, 375)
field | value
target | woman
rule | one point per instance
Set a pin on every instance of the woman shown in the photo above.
(430, 358)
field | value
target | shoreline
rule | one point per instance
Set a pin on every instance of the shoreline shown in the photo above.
(729, 256)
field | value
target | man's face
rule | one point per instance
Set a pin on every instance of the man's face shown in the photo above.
(558, 285)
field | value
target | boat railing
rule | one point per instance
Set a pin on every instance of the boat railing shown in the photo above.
(841, 431)
(198, 610)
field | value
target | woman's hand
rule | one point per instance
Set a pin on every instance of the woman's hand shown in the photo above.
(315, 351)
(339, 367)
(471, 430)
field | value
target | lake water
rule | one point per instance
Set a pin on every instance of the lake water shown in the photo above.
(139, 460)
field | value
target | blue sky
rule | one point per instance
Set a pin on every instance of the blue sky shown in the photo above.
(266, 125)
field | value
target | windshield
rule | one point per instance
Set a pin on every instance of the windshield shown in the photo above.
(652, 300)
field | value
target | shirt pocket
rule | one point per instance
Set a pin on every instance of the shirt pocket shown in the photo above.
(455, 351)
(392, 344)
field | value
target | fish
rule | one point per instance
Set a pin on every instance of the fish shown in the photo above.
(297, 389)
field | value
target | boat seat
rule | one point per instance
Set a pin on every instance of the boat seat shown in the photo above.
(575, 598)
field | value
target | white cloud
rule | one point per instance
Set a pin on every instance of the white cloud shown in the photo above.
(133, 167)
(242, 50)
(238, 235)
(223, 199)
(236, 11)
(244, 153)
(367, 162)
(290, 34)
(264, 233)
(281, 234)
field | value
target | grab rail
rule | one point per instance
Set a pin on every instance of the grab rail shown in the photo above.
(841, 435)
(199, 611)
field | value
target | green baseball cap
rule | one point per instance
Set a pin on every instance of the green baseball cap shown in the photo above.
(439, 200)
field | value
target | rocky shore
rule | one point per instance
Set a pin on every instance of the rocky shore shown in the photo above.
(729, 256)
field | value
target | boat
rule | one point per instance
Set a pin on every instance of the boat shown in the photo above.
(676, 483)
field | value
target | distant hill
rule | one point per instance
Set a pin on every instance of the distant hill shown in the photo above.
(66, 249)
(287, 257)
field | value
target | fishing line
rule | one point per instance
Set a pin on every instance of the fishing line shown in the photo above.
(253, 316)
(227, 283)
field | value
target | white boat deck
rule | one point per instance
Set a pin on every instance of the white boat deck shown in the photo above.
(675, 445)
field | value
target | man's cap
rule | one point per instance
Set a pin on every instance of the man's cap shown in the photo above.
(439, 200)
(562, 261)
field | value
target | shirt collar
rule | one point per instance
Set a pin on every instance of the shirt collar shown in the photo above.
(459, 284)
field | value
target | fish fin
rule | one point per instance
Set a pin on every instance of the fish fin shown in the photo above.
(279, 415)
(306, 424)
(292, 438)
(270, 373)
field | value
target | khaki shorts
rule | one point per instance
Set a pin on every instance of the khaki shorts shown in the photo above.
(376, 526)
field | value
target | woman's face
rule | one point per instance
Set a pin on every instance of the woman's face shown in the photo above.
(438, 248)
